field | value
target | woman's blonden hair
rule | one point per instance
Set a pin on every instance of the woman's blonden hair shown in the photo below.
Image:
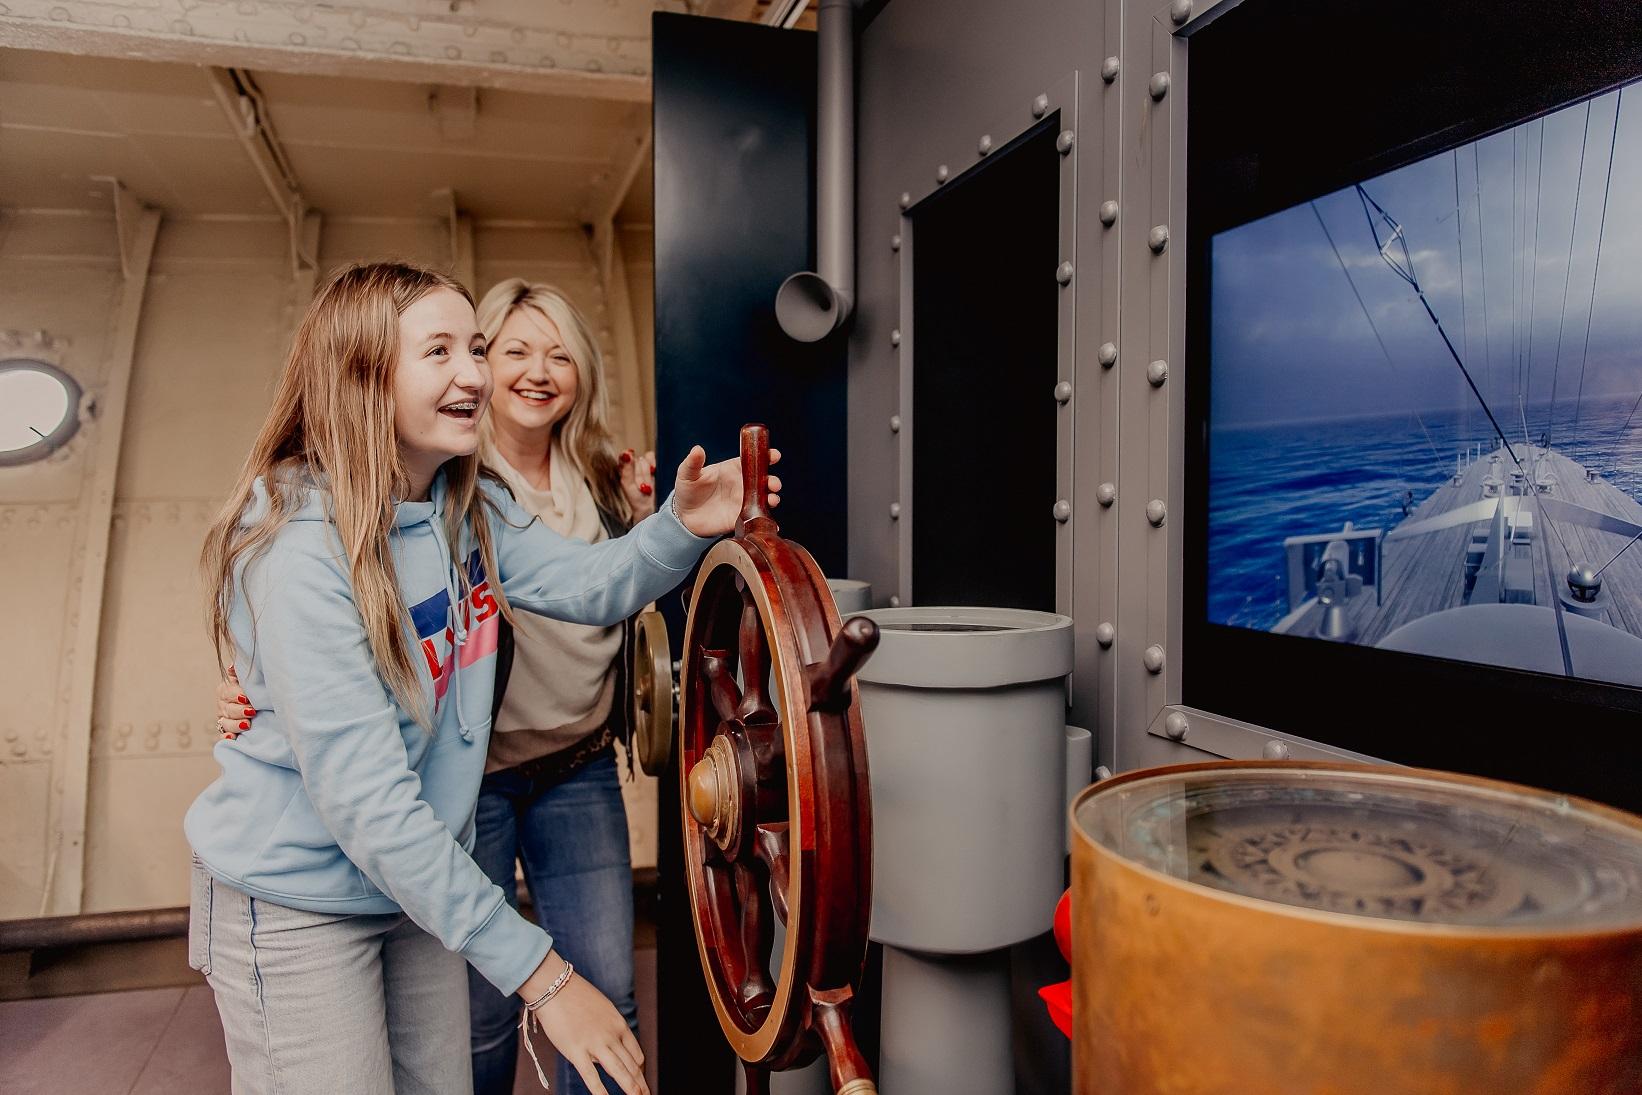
(584, 434)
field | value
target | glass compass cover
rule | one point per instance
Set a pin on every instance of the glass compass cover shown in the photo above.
(1396, 845)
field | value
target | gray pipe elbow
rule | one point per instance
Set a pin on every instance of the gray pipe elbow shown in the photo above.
(809, 308)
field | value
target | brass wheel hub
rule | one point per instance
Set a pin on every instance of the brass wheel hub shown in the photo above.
(714, 793)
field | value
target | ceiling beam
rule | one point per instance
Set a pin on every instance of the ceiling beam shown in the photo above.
(458, 49)
(248, 117)
(785, 13)
(460, 225)
(741, 10)
(611, 186)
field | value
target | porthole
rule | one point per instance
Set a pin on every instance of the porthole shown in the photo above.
(39, 410)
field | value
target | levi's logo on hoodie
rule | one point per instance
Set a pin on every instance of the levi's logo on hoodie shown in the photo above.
(432, 621)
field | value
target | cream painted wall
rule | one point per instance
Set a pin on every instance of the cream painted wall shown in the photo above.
(214, 329)
(639, 248)
(60, 275)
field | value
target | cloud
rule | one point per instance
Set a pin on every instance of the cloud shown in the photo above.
(1503, 236)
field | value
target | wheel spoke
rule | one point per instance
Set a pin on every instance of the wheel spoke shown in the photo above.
(770, 768)
(722, 911)
(721, 686)
(755, 705)
(757, 933)
(770, 843)
(712, 856)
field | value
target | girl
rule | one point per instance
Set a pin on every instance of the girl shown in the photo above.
(551, 793)
(359, 574)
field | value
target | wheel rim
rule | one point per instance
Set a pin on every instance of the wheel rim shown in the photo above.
(738, 592)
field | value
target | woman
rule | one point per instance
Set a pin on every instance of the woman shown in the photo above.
(359, 574)
(551, 794)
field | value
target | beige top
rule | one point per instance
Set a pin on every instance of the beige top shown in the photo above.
(562, 685)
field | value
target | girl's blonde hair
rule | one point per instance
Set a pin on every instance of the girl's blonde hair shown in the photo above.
(331, 427)
(584, 434)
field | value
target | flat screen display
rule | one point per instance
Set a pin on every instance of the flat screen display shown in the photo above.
(1425, 406)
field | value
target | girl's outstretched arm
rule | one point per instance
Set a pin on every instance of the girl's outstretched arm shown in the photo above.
(603, 583)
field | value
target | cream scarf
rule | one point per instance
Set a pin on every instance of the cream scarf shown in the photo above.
(561, 687)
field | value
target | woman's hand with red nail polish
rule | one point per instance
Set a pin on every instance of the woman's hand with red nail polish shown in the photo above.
(638, 483)
(234, 710)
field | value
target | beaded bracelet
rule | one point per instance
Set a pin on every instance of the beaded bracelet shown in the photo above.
(552, 990)
(530, 1012)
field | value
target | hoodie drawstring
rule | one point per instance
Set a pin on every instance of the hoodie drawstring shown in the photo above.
(454, 619)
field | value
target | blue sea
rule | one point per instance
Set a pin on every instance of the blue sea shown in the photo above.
(1267, 482)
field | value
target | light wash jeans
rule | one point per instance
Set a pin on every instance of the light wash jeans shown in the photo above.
(321, 1004)
(572, 837)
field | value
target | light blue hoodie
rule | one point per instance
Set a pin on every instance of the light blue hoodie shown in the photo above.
(338, 801)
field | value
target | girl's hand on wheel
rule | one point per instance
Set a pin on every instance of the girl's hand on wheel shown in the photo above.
(708, 498)
(234, 711)
(588, 1031)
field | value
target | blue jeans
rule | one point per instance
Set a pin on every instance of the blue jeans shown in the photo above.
(572, 837)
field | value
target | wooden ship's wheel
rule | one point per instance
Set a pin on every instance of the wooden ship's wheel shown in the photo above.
(777, 815)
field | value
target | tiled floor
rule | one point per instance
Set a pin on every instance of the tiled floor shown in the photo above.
(167, 1041)
(147, 1041)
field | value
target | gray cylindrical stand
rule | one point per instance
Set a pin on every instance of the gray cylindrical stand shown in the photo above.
(850, 595)
(965, 713)
(946, 1024)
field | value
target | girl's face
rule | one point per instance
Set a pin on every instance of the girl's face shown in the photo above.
(440, 386)
(535, 376)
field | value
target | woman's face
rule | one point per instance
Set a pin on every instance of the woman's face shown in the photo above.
(441, 384)
(535, 376)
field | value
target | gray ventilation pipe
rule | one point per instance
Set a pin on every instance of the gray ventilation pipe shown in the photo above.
(811, 305)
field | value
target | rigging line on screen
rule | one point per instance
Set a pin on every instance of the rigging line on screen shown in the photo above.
(1371, 326)
(1514, 353)
(1601, 231)
(1573, 230)
(1620, 552)
(1459, 241)
(1482, 261)
(1405, 270)
(1533, 256)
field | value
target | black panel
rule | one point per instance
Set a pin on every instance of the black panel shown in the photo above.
(1290, 101)
(734, 124)
(985, 305)
(734, 114)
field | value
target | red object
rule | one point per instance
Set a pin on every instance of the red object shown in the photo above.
(1063, 925)
(644, 488)
(245, 726)
(1059, 997)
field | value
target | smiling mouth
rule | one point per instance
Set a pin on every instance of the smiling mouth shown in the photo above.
(539, 398)
(464, 411)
